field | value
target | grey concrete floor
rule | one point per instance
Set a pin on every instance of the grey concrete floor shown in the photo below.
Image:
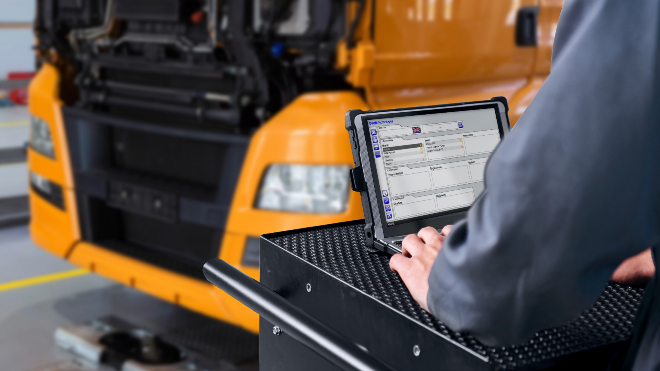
(30, 314)
(22, 259)
(28, 317)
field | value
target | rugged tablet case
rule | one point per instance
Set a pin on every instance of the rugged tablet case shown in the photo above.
(357, 174)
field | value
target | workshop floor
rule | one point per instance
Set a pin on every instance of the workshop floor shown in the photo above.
(32, 281)
(32, 284)
(40, 292)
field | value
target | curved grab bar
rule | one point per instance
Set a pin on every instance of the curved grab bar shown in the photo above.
(309, 331)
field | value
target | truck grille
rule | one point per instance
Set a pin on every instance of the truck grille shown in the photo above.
(168, 157)
(156, 193)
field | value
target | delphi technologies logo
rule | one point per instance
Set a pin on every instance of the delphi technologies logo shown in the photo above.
(380, 122)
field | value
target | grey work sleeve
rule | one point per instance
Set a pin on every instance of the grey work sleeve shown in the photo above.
(571, 192)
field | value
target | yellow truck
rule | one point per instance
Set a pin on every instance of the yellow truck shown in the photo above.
(169, 132)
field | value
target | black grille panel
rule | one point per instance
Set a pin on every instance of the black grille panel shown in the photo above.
(191, 161)
(150, 191)
(211, 82)
(342, 252)
(161, 10)
(156, 204)
(159, 259)
(192, 242)
(179, 247)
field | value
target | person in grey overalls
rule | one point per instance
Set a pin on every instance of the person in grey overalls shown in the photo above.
(571, 192)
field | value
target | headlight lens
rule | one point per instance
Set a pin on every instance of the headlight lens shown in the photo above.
(40, 139)
(304, 189)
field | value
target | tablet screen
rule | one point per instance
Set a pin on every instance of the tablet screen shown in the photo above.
(431, 164)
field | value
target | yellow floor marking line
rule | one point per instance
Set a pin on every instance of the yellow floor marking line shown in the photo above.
(42, 279)
(14, 123)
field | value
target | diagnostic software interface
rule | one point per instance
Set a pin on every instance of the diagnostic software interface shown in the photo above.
(430, 164)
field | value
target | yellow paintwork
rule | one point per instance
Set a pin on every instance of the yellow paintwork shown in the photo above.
(549, 11)
(51, 228)
(172, 287)
(523, 98)
(422, 52)
(441, 51)
(308, 131)
(424, 42)
(296, 129)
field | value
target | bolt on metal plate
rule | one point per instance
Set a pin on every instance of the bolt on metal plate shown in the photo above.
(277, 330)
(416, 350)
(309, 287)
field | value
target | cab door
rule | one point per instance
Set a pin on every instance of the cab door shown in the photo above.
(549, 11)
(464, 45)
(548, 17)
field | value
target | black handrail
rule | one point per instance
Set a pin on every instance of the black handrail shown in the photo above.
(292, 320)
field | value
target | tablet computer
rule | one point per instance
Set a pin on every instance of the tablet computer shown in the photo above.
(421, 166)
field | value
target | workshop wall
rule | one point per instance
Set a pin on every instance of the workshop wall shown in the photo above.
(16, 37)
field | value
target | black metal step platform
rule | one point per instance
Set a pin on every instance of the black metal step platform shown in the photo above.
(330, 273)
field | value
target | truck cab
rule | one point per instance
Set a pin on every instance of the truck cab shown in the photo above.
(165, 133)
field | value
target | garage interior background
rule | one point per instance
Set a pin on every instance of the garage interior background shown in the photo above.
(227, 123)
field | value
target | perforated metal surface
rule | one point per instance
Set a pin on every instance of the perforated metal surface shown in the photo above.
(341, 252)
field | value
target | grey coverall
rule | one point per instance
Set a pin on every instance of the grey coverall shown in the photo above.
(571, 192)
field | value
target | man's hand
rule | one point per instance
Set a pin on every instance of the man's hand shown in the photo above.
(636, 270)
(414, 265)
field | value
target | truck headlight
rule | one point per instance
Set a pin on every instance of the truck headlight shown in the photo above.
(40, 138)
(304, 189)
